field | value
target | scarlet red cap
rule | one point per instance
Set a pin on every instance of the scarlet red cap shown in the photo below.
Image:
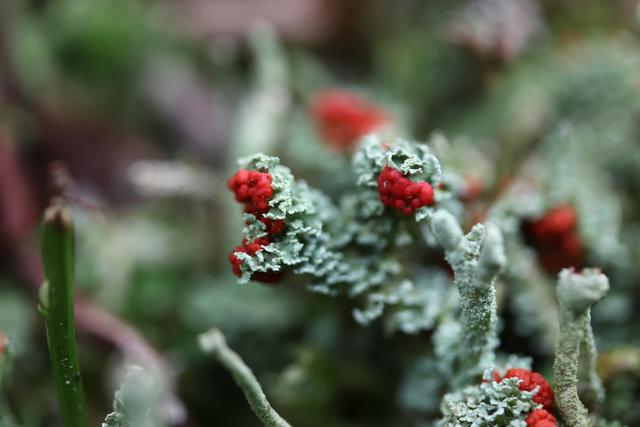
(343, 117)
(252, 188)
(541, 418)
(556, 239)
(401, 193)
(251, 249)
(529, 381)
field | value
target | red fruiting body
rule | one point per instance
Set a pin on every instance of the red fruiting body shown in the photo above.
(495, 376)
(556, 239)
(474, 186)
(555, 224)
(247, 248)
(541, 418)
(274, 226)
(251, 249)
(252, 188)
(343, 117)
(401, 193)
(529, 381)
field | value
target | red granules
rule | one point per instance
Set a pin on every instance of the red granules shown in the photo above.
(556, 239)
(251, 249)
(274, 226)
(541, 418)
(399, 192)
(247, 248)
(529, 381)
(252, 188)
(555, 224)
(343, 117)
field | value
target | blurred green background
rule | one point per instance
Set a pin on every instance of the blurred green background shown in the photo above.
(134, 111)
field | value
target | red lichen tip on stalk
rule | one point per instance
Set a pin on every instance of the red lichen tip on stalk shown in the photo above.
(399, 192)
(529, 381)
(541, 418)
(343, 117)
(252, 188)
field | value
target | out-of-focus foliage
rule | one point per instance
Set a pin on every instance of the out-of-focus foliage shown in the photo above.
(147, 105)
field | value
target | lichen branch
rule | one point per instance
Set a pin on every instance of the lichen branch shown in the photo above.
(576, 292)
(213, 342)
(476, 260)
(591, 388)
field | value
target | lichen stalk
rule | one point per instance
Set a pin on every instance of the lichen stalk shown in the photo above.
(476, 260)
(213, 342)
(56, 304)
(591, 388)
(576, 292)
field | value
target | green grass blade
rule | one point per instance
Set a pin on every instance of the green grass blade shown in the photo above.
(57, 307)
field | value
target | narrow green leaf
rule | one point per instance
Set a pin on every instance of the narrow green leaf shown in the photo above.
(57, 308)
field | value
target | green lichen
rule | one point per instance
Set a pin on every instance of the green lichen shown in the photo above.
(577, 293)
(348, 249)
(476, 259)
(136, 403)
(488, 404)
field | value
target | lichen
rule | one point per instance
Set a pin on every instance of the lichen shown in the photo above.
(488, 404)
(577, 293)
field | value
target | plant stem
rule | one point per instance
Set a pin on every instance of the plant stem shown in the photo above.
(213, 342)
(57, 307)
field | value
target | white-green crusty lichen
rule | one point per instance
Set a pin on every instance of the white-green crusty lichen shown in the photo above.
(411, 305)
(465, 343)
(414, 160)
(351, 248)
(488, 404)
(476, 259)
(137, 402)
(304, 246)
(577, 293)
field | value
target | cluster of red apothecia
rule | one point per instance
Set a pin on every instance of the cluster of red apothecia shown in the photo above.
(343, 117)
(555, 237)
(541, 418)
(253, 189)
(529, 380)
(399, 192)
